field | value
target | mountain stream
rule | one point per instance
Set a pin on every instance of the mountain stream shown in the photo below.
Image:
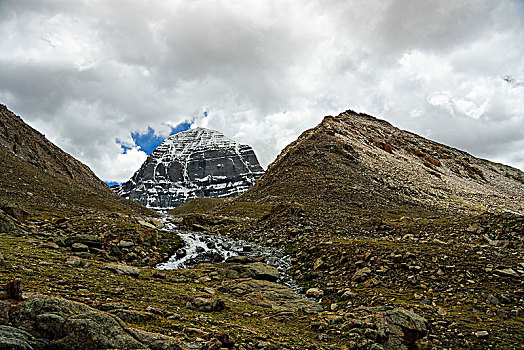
(204, 248)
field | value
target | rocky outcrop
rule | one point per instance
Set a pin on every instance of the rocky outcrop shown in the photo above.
(378, 328)
(195, 163)
(54, 323)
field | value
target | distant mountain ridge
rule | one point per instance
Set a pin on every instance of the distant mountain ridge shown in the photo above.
(195, 163)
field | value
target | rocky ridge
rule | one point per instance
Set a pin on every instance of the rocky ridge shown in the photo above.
(37, 177)
(375, 166)
(195, 163)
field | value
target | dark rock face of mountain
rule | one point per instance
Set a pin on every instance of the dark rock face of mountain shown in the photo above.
(195, 163)
(38, 176)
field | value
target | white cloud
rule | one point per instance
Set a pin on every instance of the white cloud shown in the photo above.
(88, 73)
(117, 169)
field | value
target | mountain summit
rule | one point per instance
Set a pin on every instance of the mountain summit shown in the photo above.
(354, 162)
(195, 163)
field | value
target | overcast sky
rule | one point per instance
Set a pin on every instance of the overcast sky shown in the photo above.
(90, 73)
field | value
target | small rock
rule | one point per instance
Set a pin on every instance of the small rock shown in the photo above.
(74, 261)
(272, 260)
(482, 334)
(121, 269)
(361, 274)
(157, 223)
(348, 294)
(113, 306)
(133, 315)
(413, 279)
(145, 223)
(315, 293)
(180, 253)
(159, 275)
(48, 245)
(125, 244)
(239, 259)
(318, 263)
(372, 282)
(506, 272)
(442, 312)
(493, 300)
(438, 241)
(79, 247)
(88, 240)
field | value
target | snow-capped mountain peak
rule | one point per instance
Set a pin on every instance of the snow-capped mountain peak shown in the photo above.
(195, 163)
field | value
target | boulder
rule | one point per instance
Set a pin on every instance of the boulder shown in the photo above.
(12, 338)
(88, 240)
(276, 295)
(125, 244)
(16, 212)
(259, 271)
(385, 328)
(55, 323)
(315, 293)
(79, 247)
(121, 269)
(255, 270)
(11, 290)
(206, 303)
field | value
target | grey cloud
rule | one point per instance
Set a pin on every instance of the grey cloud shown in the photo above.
(87, 73)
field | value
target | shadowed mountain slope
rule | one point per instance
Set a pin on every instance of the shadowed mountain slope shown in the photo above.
(39, 177)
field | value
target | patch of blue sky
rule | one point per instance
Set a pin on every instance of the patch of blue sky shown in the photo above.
(510, 80)
(148, 142)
